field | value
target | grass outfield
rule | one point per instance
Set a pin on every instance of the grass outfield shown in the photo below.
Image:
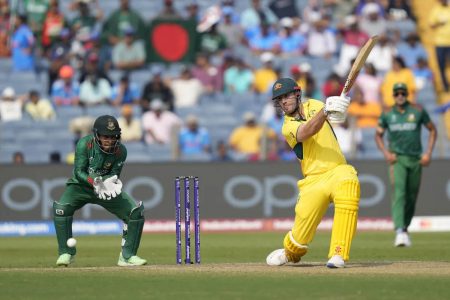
(233, 267)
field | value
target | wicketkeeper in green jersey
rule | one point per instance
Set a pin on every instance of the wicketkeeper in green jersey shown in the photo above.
(99, 159)
(403, 122)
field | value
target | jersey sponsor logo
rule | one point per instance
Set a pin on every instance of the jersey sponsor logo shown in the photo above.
(59, 212)
(411, 118)
(403, 127)
(277, 86)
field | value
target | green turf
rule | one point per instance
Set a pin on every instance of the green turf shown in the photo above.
(232, 268)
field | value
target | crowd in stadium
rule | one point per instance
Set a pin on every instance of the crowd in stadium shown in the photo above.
(90, 57)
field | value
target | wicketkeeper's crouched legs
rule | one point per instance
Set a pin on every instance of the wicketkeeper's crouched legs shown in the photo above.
(62, 217)
(133, 231)
(346, 202)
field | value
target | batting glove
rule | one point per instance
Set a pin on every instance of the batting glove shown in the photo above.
(337, 104)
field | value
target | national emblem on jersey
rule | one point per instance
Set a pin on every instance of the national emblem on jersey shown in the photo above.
(107, 165)
(411, 118)
(110, 125)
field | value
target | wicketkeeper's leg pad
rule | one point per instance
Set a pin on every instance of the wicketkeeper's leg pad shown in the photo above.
(133, 231)
(294, 251)
(62, 218)
(345, 218)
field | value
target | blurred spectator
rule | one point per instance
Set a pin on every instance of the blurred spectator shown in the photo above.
(212, 41)
(332, 86)
(128, 54)
(353, 40)
(382, 53)
(321, 42)
(230, 30)
(125, 92)
(65, 90)
(168, 11)
(265, 39)
(285, 152)
(54, 22)
(55, 157)
(221, 153)
(398, 10)
(186, 89)
(439, 21)
(422, 73)
(290, 40)
(359, 9)
(276, 122)
(192, 11)
(284, 9)
(246, 140)
(349, 139)
(411, 50)
(193, 139)
(372, 21)
(159, 124)
(157, 89)
(311, 90)
(5, 27)
(238, 78)
(93, 64)
(18, 158)
(131, 126)
(10, 106)
(399, 73)
(84, 24)
(265, 76)
(370, 84)
(301, 74)
(22, 43)
(40, 109)
(81, 126)
(95, 91)
(124, 17)
(208, 74)
(365, 112)
(254, 16)
(36, 11)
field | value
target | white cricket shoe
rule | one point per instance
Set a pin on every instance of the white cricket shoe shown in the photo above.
(402, 240)
(277, 258)
(336, 261)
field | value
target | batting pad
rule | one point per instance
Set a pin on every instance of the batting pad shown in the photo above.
(345, 218)
(294, 251)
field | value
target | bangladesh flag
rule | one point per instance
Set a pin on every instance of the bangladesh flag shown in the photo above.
(172, 40)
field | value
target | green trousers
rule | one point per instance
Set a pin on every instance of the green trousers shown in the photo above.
(405, 176)
(75, 197)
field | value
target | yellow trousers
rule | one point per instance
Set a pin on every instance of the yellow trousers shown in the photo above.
(339, 186)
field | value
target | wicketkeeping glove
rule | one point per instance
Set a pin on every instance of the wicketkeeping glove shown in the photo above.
(113, 186)
(100, 189)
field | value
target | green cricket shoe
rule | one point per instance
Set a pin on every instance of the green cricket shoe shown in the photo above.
(131, 262)
(65, 260)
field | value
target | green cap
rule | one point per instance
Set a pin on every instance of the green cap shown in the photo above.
(400, 86)
(284, 86)
(106, 125)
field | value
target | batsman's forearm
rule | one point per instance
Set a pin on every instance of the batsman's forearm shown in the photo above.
(312, 127)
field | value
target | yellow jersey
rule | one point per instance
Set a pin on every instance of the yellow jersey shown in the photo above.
(319, 153)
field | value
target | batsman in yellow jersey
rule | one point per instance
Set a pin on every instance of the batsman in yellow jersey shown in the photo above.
(327, 176)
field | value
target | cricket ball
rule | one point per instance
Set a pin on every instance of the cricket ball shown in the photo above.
(71, 242)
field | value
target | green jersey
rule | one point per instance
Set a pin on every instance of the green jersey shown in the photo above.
(91, 162)
(404, 128)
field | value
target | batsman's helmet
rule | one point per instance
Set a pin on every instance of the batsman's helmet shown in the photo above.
(284, 86)
(107, 126)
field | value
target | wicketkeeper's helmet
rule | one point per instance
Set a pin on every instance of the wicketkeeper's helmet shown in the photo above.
(107, 126)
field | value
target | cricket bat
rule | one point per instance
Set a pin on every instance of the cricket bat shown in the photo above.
(358, 64)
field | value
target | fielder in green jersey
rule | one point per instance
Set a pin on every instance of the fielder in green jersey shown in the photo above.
(99, 159)
(403, 122)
